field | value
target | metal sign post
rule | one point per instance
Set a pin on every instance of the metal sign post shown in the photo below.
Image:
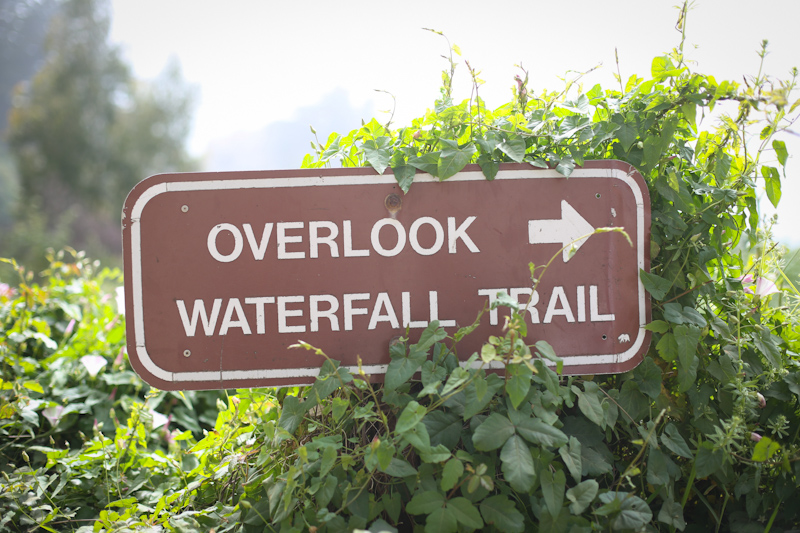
(224, 271)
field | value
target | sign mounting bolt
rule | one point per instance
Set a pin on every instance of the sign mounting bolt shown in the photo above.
(185, 208)
(393, 204)
(187, 353)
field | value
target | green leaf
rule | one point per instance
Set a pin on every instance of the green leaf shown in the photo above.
(401, 368)
(538, 432)
(546, 350)
(658, 471)
(571, 455)
(627, 135)
(565, 166)
(652, 152)
(425, 502)
(331, 377)
(582, 495)
(722, 167)
(765, 449)
(385, 454)
(465, 512)
(709, 459)
(632, 401)
(329, 456)
(689, 110)
(393, 504)
(426, 163)
(667, 347)
(33, 386)
(499, 511)
(772, 184)
(292, 413)
(492, 433)
(687, 375)
(686, 315)
(431, 377)
(648, 376)
(475, 402)
(340, 406)
(442, 520)
(377, 153)
(435, 454)
(410, 417)
(518, 384)
(451, 473)
(687, 338)
(443, 428)
(655, 284)
(672, 514)
(518, 464)
(418, 437)
(489, 143)
(430, 336)
(780, 151)
(657, 326)
(634, 512)
(672, 439)
(404, 175)
(553, 486)
(453, 159)
(399, 468)
(513, 147)
(488, 166)
(590, 402)
(661, 66)
(767, 343)
(457, 377)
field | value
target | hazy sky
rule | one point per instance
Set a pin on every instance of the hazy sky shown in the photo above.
(258, 62)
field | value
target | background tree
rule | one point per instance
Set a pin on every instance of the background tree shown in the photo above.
(83, 131)
(23, 25)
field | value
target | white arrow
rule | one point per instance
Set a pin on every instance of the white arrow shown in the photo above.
(570, 231)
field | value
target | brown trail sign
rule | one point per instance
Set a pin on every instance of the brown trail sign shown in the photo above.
(224, 271)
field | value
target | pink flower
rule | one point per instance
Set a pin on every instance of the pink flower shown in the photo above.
(93, 363)
(765, 287)
(120, 357)
(120, 296)
(762, 402)
(158, 419)
(70, 327)
(6, 291)
(755, 437)
(54, 414)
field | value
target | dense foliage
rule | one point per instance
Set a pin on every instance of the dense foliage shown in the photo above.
(702, 436)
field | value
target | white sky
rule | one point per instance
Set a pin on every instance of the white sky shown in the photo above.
(256, 62)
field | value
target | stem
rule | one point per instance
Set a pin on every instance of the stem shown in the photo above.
(681, 25)
(722, 512)
(689, 486)
(772, 518)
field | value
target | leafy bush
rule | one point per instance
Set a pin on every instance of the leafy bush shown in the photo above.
(78, 429)
(702, 436)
